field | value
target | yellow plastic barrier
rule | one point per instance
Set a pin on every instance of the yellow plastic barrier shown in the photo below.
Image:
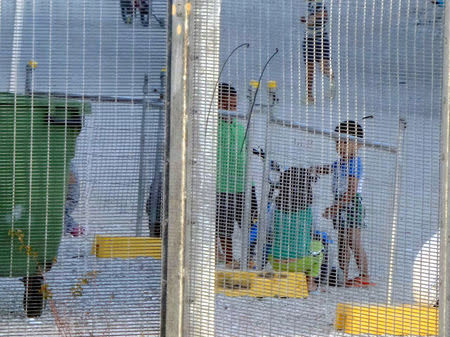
(261, 284)
(403, 320)
(126, 247)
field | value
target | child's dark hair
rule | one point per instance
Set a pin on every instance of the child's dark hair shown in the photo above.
(226, 90)
(350, 128)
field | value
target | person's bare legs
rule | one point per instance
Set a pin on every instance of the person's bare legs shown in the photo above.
(310, 80)
(358, 251)
(344, 251)
(327, 72)
(326, 69)
(311, 283)
(220, 257)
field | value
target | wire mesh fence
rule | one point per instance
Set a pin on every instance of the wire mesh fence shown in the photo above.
(303, 157)
(82, 104)
(315, 130)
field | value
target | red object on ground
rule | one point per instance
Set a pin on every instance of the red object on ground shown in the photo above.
(358, 282)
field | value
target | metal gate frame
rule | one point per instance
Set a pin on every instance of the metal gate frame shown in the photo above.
(189, 222)
(444, 300)
(146, 103)
(183, 297)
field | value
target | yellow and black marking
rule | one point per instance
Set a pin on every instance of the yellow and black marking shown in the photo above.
(126, 247)
(402, 320)
(236, 283)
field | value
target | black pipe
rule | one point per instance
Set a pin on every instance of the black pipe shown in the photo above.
(218, 79)
(254, 98)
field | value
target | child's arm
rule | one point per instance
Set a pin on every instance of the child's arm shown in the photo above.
(312, 18)
(321, 14)
(316, 170)
(311, 21)
(346, 198)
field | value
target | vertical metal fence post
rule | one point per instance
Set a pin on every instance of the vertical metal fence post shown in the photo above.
(395, 201)
(246, 224)
(264, 219)
(189, 267)
(156, 185)
(176, 221)
(444, 300)
(16, 45)
(202, 168)
(165, 174)
(29, 70)
(141, 187)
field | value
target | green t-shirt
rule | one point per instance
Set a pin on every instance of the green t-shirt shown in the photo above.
(292, 234)
(231, 161)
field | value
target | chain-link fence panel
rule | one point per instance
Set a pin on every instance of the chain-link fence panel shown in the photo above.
(82, 104)
(312, 172)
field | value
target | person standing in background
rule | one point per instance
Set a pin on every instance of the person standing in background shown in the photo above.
(231, 172)
(71, 227)
(316, 47)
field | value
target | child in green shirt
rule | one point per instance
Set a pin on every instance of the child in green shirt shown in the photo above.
(293, 248)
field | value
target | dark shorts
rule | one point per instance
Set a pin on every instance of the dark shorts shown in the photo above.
(316, 49)
(352, 216)
(230, 209)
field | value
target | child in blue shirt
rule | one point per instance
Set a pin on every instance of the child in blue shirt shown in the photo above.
(347, 211)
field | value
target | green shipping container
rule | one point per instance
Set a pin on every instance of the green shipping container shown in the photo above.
(37, 142)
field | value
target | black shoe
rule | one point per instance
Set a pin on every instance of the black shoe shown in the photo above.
(33, 299)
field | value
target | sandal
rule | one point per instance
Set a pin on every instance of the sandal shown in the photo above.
(359, 282)
(233, 265)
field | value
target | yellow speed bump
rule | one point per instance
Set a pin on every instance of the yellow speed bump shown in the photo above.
(261, 284)
(126, 247)
(402, 320)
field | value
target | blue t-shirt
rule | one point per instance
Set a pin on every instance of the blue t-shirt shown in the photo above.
(342, 169)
